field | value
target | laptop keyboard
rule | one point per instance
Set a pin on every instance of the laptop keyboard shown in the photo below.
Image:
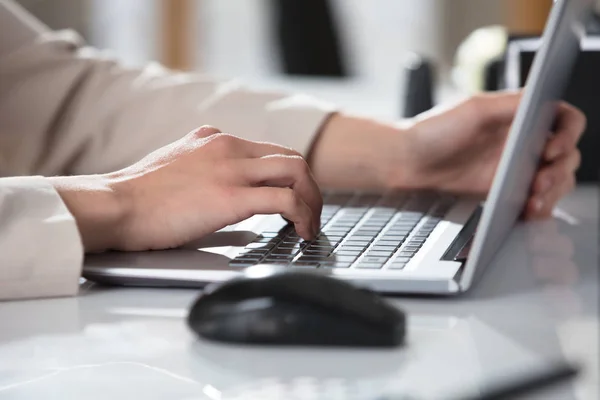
(363, 231)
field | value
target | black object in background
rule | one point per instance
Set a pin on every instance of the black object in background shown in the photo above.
(307, 34)
(419, 86)
(270, 305)
(494, 75)
(583, 92)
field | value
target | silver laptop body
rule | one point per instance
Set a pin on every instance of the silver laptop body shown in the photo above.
(395, 242)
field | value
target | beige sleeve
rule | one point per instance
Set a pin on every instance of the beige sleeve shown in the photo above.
(40, 249)
(68, 109)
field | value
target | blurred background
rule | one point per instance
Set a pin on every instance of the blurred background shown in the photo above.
(387, 58)
(238, 37)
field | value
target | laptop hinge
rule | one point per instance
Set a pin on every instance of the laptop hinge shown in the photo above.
(460, 247)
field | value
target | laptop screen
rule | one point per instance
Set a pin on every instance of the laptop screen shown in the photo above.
(550, 74)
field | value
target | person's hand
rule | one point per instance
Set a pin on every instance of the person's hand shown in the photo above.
(189, 189)
(460, 149)
(456, 149)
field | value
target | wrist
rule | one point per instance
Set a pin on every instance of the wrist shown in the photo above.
(417, 176)
(360, 153)
(96, 207)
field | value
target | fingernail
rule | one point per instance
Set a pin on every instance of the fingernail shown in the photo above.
(538, 205)
(554, 152)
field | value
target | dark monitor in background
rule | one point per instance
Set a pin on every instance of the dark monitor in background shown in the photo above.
(583, 92)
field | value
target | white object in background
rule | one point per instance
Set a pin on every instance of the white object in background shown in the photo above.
(474, 54)
(235, 39)
(128, 28)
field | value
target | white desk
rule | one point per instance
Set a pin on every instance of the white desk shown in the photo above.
(537, 302)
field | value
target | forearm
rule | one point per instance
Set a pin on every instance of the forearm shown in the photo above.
(355, 152)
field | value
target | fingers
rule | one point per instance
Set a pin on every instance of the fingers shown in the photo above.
(224, 145)
(284, 171)
(252, 164)
(493, 108)
(284, 201)
(263, 149)
(551, 184)
(571, 123)
(204, 132)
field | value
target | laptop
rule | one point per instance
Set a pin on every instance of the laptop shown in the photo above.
(393, 242)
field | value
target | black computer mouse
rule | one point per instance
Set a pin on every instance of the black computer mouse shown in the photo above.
(282, 306)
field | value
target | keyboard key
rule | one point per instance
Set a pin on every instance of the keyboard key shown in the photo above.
(350, 215)
(292, 238)
(265, 241)
(289, 246)
(250, 257)
(374, 259)
(391, 239)
(344, 224)
(269, 234)
(428, 227)
(348, 252)
(275, 262)
(401, 223)
(413, 249)
(397, 265)
(367, 265)
(336, 231)
(360, 238)
(355, 211)
(330, 236)
(279, 258)
(358, 249)
(421, 236)
(377, 220)
(358, 241)
(380, 247)
(386, 254)
(316, 252)
(372, 225)
(400, 260)
(402, 228)
(256, 257)
(367, 232)
(319, 245)
(258, 245)
(336, 265)
(394, 232)
(282, 254)
(408, 254)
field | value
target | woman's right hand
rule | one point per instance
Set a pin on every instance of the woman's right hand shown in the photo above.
(182, 192)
